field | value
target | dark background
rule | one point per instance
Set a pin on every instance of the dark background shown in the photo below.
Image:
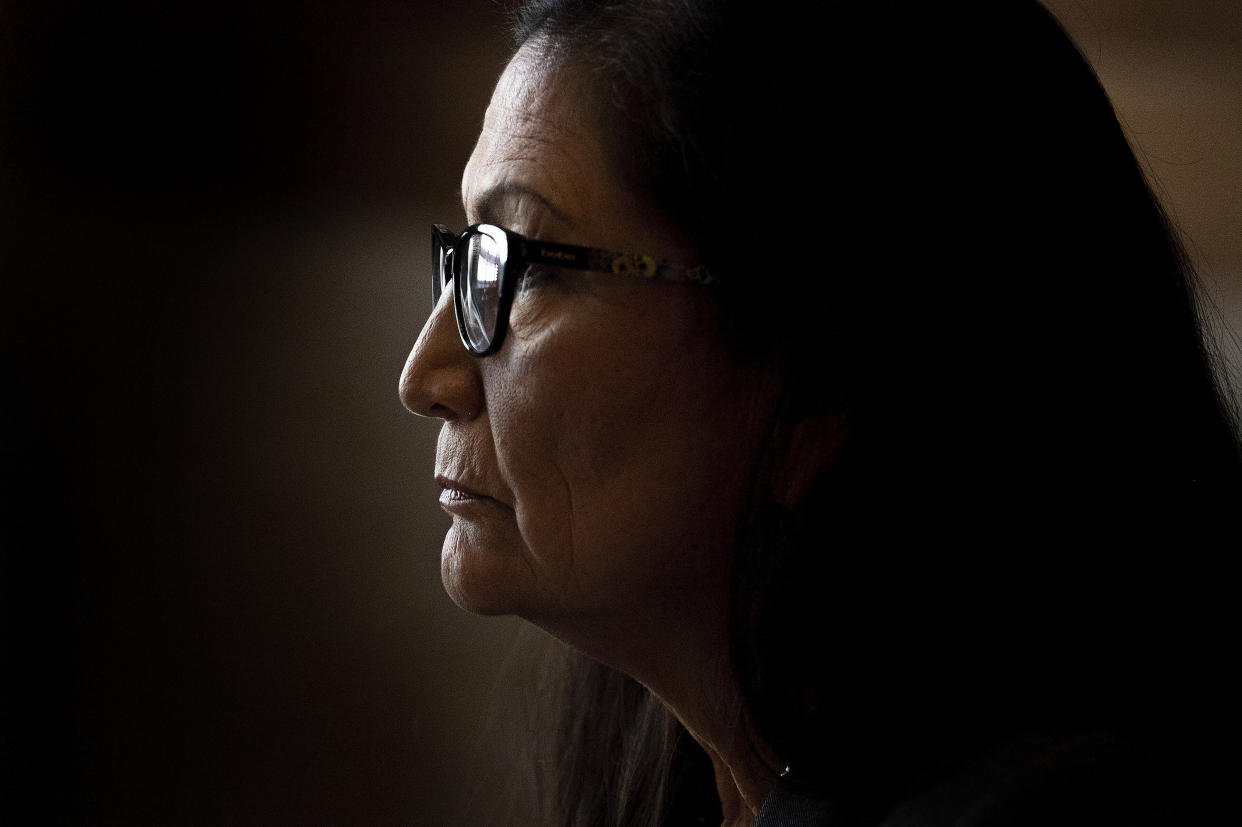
(220, 572)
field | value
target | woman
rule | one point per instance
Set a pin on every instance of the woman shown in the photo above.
(855, 460)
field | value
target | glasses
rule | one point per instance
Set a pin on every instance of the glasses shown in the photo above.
(486, 263)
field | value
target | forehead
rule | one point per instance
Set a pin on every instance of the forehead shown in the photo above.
(537, 152)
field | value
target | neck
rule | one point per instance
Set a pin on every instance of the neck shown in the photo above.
(690, 673)
(712, 713)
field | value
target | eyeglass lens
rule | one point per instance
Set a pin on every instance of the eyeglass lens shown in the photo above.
(481, 298)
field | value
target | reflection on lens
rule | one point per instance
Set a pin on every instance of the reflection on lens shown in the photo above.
(482, 288)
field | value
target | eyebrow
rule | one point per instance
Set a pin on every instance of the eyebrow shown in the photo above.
(489, 206)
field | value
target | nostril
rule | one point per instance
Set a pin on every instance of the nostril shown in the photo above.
(439, 411)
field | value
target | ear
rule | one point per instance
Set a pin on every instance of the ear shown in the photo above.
(814, 444)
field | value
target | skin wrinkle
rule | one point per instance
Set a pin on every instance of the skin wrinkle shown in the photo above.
(572, 585)
(507, 410)
(574, 541)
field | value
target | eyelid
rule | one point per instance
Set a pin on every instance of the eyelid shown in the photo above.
(517, 206)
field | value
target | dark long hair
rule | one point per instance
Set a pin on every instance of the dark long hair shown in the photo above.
(929, 218)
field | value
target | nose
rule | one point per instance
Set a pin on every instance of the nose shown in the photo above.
(441, 379)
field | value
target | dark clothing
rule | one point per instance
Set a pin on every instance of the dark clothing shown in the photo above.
(1097, 779)
(788, 806)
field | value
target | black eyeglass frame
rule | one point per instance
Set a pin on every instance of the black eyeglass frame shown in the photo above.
(517, 251)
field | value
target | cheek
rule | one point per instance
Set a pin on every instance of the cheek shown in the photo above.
(618, 458)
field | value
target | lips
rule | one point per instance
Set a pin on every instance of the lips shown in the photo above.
(456, 488)
(455, 494)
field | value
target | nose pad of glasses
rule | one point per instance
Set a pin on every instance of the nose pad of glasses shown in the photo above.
(444, 273)
(442, 247)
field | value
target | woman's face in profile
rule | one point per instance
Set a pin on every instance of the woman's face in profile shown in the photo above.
(609, 440)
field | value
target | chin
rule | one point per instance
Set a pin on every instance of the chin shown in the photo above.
(480, 579)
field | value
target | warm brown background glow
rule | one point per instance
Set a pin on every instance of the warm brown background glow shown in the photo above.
(220, 577)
